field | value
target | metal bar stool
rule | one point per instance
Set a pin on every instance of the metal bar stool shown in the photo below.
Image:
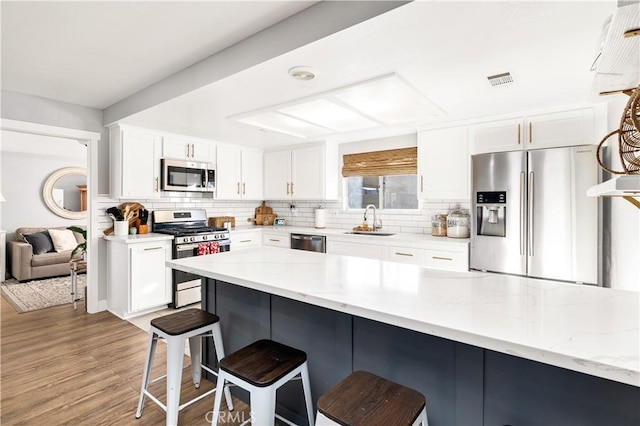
(261, 368)
(364, 399)
(192, 324)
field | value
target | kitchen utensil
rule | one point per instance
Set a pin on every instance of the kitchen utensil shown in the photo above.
(119, 213)
(115, 213)
(143, 215)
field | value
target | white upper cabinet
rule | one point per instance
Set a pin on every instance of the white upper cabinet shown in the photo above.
(188, 149)
(277, 175)
(238, 173)
(549, 130)
(443, 164)
(252, 174)
(497, 136)
(305, 173)
(135, 163)
(567, 128)
(308, 173)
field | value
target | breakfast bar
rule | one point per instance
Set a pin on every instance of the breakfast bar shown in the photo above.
(483, 348)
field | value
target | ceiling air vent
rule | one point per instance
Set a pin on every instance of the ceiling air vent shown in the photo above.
(498, 79)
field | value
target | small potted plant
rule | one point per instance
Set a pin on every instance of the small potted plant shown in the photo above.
(81, 247)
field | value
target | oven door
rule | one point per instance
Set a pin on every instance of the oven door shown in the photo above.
(187, 286)
(180, 175)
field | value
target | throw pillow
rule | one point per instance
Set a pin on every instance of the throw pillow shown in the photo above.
(63, 239)
(40, 241)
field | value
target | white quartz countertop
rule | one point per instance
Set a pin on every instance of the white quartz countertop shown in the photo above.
(588, 329)
(138, 238)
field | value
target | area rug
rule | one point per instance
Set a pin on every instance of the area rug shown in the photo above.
(40, 294)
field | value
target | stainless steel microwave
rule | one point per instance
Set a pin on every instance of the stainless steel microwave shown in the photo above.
(182, 175)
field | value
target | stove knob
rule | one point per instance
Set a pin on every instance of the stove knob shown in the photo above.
(192, 239)
(204, 237)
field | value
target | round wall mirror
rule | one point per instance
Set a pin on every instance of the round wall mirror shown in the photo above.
(65, 192)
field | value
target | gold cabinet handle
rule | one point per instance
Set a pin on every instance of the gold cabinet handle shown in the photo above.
(441, 258)
(421, 183)
(291, 188)
(519, 130)
(153, 248)
(187, 146)
(530, 132)
(245, 241)
(238, 190)
(274, 240)
(404, 254)
(243, 188)
(287, 188)
(157, 184)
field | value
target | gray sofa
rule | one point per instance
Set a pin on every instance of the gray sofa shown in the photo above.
(24, 265)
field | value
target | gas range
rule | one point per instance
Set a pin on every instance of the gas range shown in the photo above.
(187, 226)
(192, 237)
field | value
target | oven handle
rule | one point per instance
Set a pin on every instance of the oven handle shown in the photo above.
(187, 247)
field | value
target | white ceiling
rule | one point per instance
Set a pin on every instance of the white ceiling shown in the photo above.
(445, 50)
(95, 53)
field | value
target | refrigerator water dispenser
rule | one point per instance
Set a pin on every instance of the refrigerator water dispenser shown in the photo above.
(491, 213)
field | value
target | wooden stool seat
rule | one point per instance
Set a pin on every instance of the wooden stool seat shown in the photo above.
(264, 362)
(176, 329)
(363, 398)
(184, 321)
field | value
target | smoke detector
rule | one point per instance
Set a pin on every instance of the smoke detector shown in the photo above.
(499, 79)
(302, 73)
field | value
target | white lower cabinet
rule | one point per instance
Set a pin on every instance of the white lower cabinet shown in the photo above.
(410, 255)
(138, 280)
(450, 257)
(241, 240)
(370, 251)
(276, 239)
(447, 254)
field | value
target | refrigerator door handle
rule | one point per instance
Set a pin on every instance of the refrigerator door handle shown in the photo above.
(531, 198)
(522, 213)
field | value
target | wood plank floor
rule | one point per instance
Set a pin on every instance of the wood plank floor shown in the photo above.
(62, 366)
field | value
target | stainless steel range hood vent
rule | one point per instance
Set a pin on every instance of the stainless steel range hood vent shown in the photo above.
(619, 186)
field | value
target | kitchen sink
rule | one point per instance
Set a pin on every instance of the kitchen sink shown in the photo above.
(379, 234)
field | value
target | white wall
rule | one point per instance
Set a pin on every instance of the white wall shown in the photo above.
(26, 162)
(34, 109)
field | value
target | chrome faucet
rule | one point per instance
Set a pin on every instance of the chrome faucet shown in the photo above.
(376, 223)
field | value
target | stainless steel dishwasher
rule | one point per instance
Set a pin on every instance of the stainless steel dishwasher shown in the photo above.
(316, 243)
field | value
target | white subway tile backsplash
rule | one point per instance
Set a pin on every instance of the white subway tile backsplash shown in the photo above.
(412, 221)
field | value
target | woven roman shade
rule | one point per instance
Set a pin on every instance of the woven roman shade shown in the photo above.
(402, 161)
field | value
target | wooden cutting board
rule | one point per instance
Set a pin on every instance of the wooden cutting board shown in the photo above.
(263, 209)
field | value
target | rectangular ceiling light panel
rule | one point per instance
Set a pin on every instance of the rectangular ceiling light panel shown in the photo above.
(329, 114)
(389, 100)
(277, 122)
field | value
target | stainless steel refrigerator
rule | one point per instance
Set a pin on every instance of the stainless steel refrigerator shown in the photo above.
(531, 215)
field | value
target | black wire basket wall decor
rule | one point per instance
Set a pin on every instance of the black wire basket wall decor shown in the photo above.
(628, 138)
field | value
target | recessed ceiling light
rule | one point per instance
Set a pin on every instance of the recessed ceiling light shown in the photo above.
(302, 73)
